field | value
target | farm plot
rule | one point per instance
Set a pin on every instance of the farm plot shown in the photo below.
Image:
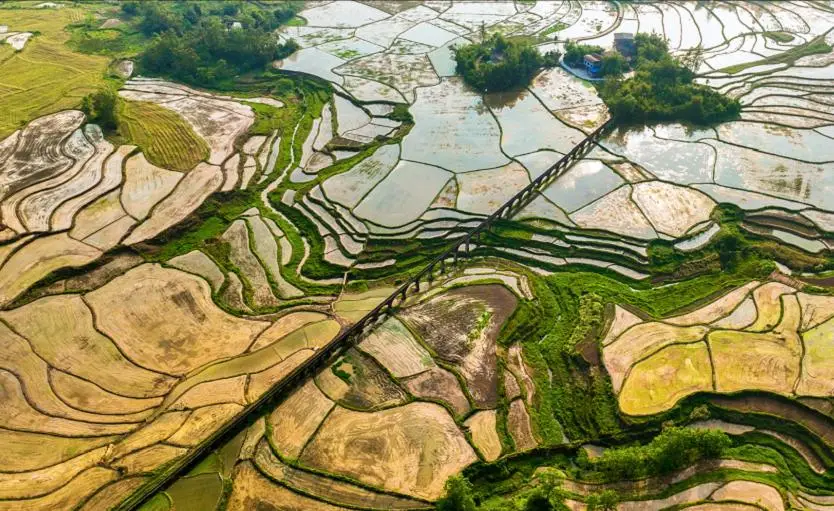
(163, 135)
(411, 450)
(471, 319)
(359, 383)
(653, 365)
(450, 123)
(219, 122)
(54, 176)
(127, 365)
(46, 76)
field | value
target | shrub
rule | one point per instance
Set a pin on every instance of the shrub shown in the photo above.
(605, 500)
(613, 64)
(728, 247)
(458, 495)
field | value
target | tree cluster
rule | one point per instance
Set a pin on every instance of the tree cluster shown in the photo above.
(100, 108)
(575, 53)
(673, 449)
(497, 63)
(662, 89)
(613, 63)
(201, 45)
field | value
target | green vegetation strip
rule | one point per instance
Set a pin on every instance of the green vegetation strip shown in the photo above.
(815, 46)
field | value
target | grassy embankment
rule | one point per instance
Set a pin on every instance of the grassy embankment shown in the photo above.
(813, 47)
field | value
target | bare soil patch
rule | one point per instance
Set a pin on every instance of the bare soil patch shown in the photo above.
(61, 331)
(714, 310)
(297, 418)
(67, 496)
(393, 346)
(758, 494)
(813, 421)
(113, 494)
(187, 196)
(38, 259)
(89, 397)
(252, 491)
(642, 340)
(519, 426)
(411, 450)
(202, 422)
(38, 155)
(149, 458)
(200, 264)
(484, 436)
(328, 489)
(165, 319)
(439, 384)
(462, 327)
(237, 236)
(145, 185)
(364, 385)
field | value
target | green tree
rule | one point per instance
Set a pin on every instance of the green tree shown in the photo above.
(200, 49)
(538, 501)
(575, 53)
(158, 18)
(673, 449)
(613, 64)
(651, 47)
(498, 64)
(728, 249)
(458, 495)
(663, 89)
(100, 108)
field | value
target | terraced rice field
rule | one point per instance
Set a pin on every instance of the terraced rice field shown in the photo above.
(45, 76)
(165, 138)
(654, 365)
(151, 292)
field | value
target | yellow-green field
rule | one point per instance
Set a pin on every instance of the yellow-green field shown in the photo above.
(165, 138)
(46, 76)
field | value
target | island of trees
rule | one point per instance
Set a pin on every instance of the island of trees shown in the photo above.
(210, 44)
(662, 88)
(498, 63)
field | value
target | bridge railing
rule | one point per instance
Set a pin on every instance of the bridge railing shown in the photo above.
(437, 267)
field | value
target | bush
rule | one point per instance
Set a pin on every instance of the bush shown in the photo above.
(728, 247)
(498, 64)
(458, 495)
(605, 500)
(130, 8)
(401, 113)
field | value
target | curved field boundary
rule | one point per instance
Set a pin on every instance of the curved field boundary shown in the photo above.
(349, 337)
